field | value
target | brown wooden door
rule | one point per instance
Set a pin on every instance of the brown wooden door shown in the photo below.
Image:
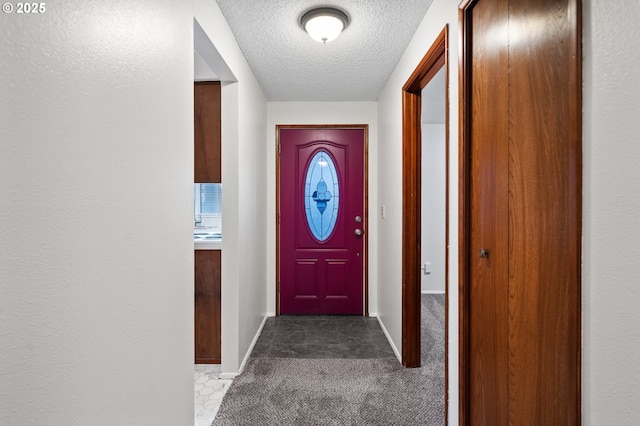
(524, 212)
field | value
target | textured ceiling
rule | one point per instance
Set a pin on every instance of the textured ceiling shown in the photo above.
(290, 66)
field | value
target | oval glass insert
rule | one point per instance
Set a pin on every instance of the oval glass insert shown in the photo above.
(321, 195)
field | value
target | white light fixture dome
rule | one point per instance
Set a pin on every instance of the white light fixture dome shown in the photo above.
(324, 24)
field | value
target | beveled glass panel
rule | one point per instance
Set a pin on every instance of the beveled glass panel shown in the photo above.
(321, 195)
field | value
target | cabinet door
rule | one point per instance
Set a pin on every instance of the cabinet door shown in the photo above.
(207, 306)
(207, 132)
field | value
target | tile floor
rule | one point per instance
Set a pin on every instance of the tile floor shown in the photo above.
(208, 392)
(315, 336)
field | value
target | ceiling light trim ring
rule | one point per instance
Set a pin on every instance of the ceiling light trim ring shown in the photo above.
(324, 12)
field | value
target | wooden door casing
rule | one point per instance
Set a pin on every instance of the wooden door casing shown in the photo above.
(520, 128)
(433, 61)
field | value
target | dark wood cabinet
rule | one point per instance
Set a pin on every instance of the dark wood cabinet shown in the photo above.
(207, 306)
(207, 132)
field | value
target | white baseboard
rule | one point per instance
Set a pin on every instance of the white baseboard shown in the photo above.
(432, 292)
(246, 356)
(386, 333)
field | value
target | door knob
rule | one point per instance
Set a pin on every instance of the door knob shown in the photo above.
(483, 253)
(358, 232)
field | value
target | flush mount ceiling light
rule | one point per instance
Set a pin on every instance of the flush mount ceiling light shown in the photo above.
(324, 24)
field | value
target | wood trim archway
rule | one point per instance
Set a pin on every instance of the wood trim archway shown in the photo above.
(433, 61)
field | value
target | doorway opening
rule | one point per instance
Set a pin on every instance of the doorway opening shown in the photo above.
(433, 64)
(433, 220)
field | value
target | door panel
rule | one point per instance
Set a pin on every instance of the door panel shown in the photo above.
(489, 220)
(337, 278)
(307, 273)
(543, 262)
(321, 257)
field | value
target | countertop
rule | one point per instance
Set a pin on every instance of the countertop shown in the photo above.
(207, 245)
(206, 239)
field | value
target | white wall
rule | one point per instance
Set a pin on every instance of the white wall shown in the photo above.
(433, 203)
(611, 244)
(96, 253)
(244, 149)
(321, 113)
(440, 13)
(434, 176)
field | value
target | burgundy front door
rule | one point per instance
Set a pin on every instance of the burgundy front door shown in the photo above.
(321, 220)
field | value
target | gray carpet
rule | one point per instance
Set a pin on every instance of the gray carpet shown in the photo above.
(375, 391)
(432, 326)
